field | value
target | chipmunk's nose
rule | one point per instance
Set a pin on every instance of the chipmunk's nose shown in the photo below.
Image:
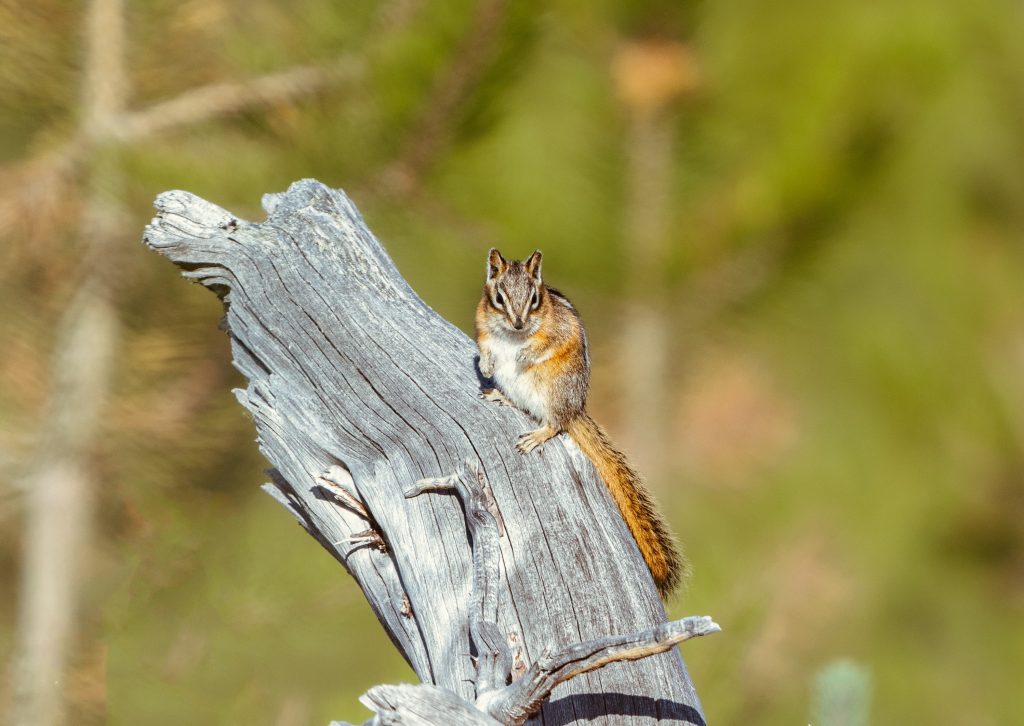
(518, 323)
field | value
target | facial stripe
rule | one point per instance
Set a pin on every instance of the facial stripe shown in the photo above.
(526, 309)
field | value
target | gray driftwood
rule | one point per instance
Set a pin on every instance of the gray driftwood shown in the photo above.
(358, 391)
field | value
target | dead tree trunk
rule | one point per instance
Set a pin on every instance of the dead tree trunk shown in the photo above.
(358, 391)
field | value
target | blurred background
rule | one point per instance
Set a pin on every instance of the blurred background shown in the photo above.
(793, 230)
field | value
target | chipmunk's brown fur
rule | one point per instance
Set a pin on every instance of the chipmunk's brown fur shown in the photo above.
(534, 349)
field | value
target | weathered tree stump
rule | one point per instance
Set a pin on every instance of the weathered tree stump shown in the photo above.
(358, 391)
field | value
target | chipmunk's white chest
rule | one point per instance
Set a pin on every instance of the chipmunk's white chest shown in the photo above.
(516, 382)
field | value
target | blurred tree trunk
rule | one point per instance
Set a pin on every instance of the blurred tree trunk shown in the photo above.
(60, 484)
(59, 501)
(649, 76)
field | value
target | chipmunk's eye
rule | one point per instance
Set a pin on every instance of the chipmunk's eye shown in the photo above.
(535, 299)
(499, 299)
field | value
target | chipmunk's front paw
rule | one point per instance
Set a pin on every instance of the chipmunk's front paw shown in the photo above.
(532, 439)
(496, 396)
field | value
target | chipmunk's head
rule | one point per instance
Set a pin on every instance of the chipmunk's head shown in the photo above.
(515, 288)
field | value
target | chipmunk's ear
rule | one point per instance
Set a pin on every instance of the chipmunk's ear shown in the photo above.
(496, 264)
(533, 265)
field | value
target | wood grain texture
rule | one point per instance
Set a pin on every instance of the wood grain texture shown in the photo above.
(352, 376)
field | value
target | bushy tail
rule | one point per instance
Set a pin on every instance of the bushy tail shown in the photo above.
(657, 545)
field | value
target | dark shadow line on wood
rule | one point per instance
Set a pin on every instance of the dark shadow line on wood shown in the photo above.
(592, 705)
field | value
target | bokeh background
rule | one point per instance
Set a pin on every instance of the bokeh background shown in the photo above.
(794, 232)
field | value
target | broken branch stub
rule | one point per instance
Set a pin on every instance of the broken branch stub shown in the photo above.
(358, 390)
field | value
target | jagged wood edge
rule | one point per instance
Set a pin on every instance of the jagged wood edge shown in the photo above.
(182, 215)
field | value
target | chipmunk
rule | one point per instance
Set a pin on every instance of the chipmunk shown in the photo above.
(534, 350)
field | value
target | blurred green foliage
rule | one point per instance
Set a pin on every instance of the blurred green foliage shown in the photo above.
(848, 429)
